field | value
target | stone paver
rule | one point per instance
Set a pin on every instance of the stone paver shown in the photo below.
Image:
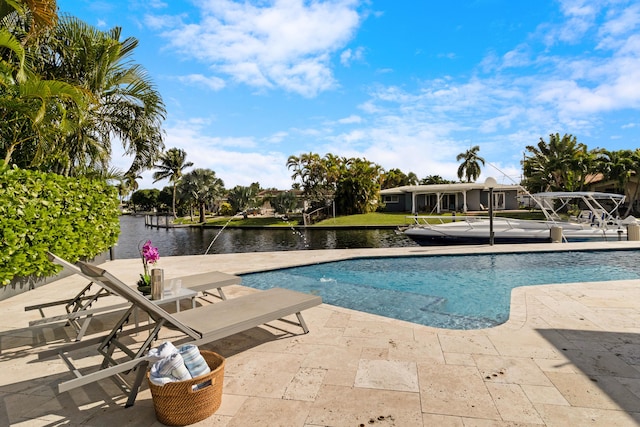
(569, 355)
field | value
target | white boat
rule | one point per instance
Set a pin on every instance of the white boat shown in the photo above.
(593, 223)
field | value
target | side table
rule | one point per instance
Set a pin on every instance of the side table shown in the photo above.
(171, 296)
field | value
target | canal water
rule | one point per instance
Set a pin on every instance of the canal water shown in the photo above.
(195, 241)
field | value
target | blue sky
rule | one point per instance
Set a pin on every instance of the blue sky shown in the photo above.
(405, 84)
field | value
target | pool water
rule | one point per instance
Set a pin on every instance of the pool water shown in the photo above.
(453, 291)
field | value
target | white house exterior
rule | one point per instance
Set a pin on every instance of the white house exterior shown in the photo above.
(439, 198)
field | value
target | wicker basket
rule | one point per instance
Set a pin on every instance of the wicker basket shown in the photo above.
(187, 402)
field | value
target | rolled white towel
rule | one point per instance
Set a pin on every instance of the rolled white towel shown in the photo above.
(165, 349)
(193, 360)
(169, 369)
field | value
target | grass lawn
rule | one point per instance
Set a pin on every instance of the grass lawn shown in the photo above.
(238, 221)
(371, 219)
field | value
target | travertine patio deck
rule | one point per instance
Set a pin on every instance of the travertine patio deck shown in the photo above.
(568, 356)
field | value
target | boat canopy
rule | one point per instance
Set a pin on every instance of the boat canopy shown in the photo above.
(591, 199)
(579, 194)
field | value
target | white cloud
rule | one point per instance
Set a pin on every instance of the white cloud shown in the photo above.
(505, 174)
(311, 132)
(593, 86)
(500, 122)
(236, 167)
(213, 83)
(194, 133)
(348, 56)
(622, 22)
(370, 107)
(580, 15)
(575, 87)
(518, 57)
(403, 140)
(280, 43)
(350, 120)
(159, 22)
(157, 4)
(345, 57)
(277, 137)
(147, 4)
(354, 137)
(392, 94)
(233, 159)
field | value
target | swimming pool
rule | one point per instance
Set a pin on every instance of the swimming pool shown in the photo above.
(452, 291)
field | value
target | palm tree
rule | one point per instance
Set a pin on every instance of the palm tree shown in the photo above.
(620, 166)
(241, 197)
(123, 190)
(434, 179)
(551, 166)
(470, 167)
(131, 181)
(125, 106)
(201, 186)
(585, 164)
(617, 166)
(358, 187)
(33, 110)
(412, 179)
(171, 165)
(312, 171)
(33, 114)
(396, 178)
(43, 14)
(332, 167)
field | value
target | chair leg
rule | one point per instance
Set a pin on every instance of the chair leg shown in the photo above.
(135, 387)
(83, 328)
(302, 323)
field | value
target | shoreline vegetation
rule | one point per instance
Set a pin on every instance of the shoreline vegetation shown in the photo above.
(368, 220)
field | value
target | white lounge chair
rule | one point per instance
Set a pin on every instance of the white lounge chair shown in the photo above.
(81, 308)
(199, 326)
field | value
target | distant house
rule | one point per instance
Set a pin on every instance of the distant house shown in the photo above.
(597, 182)
(439, 198)
(266, 195)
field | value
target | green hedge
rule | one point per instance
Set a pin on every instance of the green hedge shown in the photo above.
(75, 218)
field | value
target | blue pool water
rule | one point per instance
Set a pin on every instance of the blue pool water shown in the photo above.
(454, 291)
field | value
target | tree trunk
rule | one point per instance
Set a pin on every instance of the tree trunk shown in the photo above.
(10, 149)
(173, 205)
(202, 216)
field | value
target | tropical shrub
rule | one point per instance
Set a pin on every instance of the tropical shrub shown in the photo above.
(284, 202)
(226, 209)
(72, 217)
